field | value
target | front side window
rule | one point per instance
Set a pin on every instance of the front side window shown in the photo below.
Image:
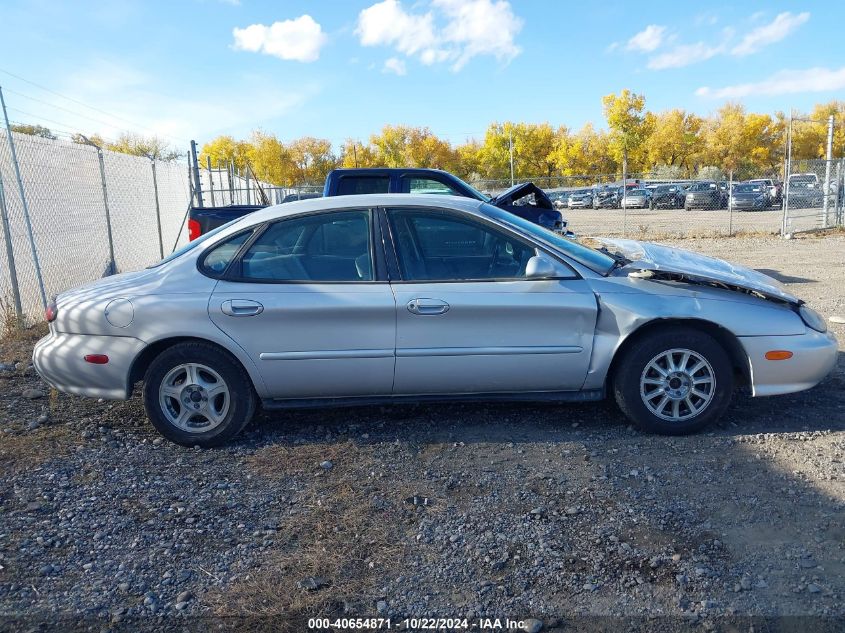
(328, 247)
(437, 246)
(429, 186)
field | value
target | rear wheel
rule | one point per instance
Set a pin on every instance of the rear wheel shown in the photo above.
(198, 394)
(674, 381)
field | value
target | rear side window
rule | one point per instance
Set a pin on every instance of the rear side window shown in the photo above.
(218, 258)
(328, 247)
(358, 185)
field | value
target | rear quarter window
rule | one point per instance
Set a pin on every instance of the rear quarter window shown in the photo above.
(359, 185)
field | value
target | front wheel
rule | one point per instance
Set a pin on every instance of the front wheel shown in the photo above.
(196, 394)
(674, 381)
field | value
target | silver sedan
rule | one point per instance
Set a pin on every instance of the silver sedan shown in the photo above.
(390, 298)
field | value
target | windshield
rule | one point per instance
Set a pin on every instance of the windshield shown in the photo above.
(589, 257)
(192, 245)
(802, 180)
(703, 186)
(476, 193)
(748, 189)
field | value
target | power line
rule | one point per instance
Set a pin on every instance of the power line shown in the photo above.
(47, 103)
(38, 118)
(90, 107)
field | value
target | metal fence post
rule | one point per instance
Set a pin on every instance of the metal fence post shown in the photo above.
(827, 165)
(730, 203)
(112, 264)
(10, 256)
(788, 170)
(230, 168)
(24, 203)
(210, 180)
(158, 209)
(196, 169)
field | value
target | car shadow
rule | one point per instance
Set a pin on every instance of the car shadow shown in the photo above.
(742, 519)
(786, 279)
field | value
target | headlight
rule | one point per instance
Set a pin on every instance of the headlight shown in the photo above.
(812, 318)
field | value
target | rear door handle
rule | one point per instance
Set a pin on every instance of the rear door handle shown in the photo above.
(241, 307)
(423, 306)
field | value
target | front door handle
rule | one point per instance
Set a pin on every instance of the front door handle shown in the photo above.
(241, 307)
(424, 306)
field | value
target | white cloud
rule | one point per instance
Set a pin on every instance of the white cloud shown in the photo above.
(770, 33)
(784, 82)
(480, 27)
(647, 40)
(387, 24)
(300, 39)
(395, 65)
(452, 31)
(684, 55)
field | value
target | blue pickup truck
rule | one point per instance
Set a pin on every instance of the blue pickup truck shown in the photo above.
(526, 200)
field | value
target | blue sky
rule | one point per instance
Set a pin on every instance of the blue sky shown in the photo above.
(335, 69)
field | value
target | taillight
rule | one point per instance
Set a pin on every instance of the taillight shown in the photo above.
(51, 312)
(194, 230)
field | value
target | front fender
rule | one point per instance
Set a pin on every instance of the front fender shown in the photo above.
(622, 314)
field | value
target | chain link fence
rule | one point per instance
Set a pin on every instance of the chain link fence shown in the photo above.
(91, 213)
(96, 212)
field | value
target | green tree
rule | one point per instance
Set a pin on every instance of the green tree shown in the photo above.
(151, 147)
(34, 130)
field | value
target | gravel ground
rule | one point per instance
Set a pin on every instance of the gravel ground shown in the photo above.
(559, 513)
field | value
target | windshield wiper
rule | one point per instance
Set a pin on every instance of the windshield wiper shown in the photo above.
(619, 260)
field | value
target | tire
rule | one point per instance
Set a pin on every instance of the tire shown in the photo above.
(204, 369)
(635, 378)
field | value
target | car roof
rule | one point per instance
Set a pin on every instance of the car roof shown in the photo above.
(314, 205)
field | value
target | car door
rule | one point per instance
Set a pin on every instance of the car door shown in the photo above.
(469, 321)
(307, 303)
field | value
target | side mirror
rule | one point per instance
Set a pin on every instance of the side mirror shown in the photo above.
(541, 267)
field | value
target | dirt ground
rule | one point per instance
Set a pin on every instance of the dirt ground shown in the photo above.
(559, 516)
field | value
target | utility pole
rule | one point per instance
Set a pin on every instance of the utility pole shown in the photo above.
(510, 144)
(788, 170)
(827, 165)
(355, 152)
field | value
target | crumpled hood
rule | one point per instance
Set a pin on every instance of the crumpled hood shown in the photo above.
(655, 257)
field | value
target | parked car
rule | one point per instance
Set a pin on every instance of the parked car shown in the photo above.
(300, 195)
(637, 199)
(705, 194)
(607, 197)
(749, 196)
(395, 298)
(668, 197)
(773, 188)
(526, 200)
(580, 199)
(805, 191)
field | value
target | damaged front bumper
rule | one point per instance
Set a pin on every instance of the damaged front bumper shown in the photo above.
(814, 355)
